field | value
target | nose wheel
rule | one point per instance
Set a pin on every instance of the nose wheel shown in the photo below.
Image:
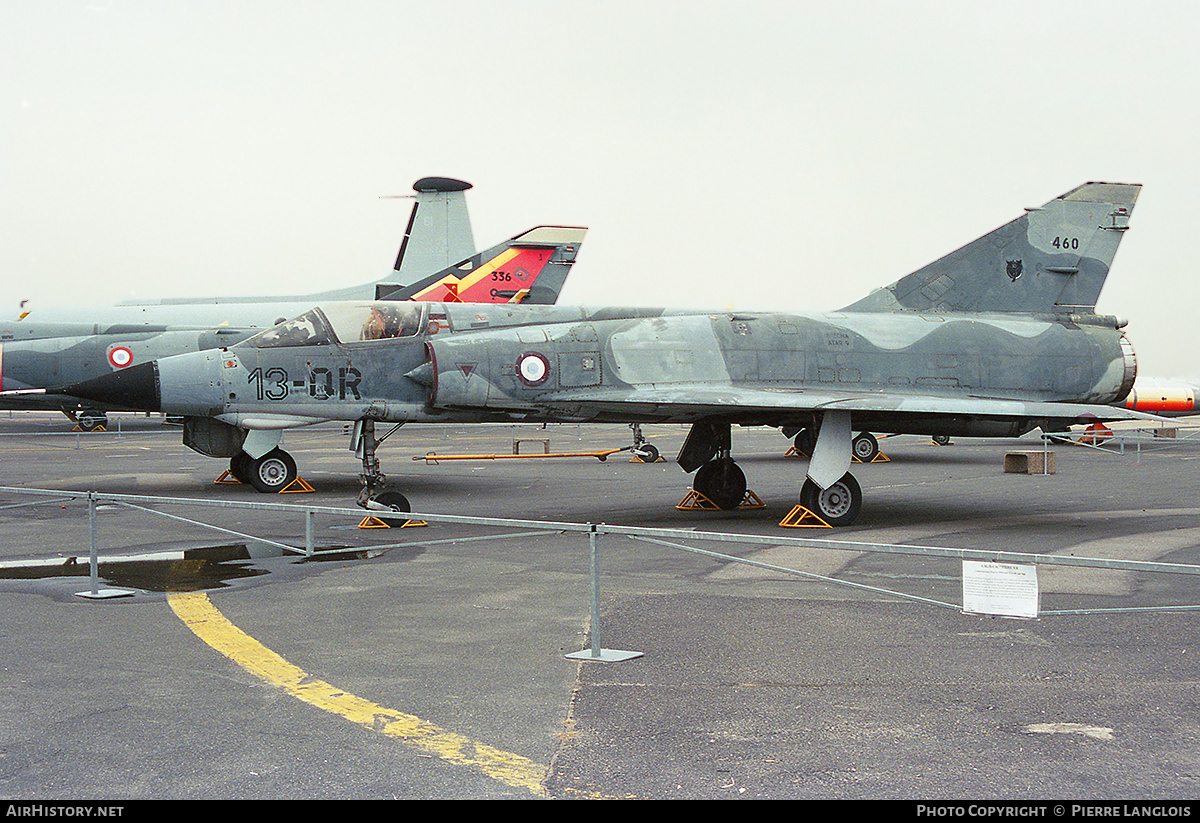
(392, 501)
(646, 453)
(641, 449)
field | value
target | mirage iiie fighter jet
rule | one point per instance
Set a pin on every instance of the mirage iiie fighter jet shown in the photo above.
(996, 339)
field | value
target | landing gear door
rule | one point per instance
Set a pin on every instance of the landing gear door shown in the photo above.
(831, 456)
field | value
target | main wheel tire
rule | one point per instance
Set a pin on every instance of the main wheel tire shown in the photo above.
(865, 447)
(90, 421)
(942, 439)
(837, 505)
(805, 442)
(239, 467)
(722, 482)
(272, 472)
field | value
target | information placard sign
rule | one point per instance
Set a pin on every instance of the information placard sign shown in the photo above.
(1006, 589)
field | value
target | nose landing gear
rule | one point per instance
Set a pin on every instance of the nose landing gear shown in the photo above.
(375, 493)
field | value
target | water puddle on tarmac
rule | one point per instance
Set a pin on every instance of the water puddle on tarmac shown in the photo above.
(196, 568)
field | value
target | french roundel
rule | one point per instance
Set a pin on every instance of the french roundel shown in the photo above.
(119, 357)
(533, 369)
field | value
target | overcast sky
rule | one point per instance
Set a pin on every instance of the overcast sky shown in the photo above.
(756, 155)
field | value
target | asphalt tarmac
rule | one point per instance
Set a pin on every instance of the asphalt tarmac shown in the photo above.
(432, 661)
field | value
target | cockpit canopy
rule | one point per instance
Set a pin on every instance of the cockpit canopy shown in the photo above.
(343, 323)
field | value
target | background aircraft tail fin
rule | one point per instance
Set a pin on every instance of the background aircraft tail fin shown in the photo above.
(529, 268)
(438, 233)
(439, 228)
(1051, 259)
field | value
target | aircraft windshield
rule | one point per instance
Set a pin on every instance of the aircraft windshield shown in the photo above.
(309, 329)
(343, 322)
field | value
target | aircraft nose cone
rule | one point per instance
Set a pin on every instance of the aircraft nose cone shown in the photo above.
(135, 387)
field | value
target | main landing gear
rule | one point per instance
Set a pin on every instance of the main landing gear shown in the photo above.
(722, 481)
(837, 505)
(718, 476)
(706, 451)
(864, 447)
(270, 473)
(87, 420)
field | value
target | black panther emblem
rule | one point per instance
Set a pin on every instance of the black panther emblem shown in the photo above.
(1014, 269)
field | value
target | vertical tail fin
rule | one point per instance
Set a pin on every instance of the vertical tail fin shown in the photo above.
(529, 268)
(437, 235)
(439, 229)
(1052, 259)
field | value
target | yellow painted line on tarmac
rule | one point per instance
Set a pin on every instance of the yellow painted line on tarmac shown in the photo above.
(199, 615)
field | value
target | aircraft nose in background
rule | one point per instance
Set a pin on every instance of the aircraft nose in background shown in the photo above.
(135, 387)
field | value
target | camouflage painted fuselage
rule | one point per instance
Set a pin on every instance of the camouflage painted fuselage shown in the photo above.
(893, 371)
(778, 369)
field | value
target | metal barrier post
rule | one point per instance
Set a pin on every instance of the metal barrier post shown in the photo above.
(597, 654)
(94, 561)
